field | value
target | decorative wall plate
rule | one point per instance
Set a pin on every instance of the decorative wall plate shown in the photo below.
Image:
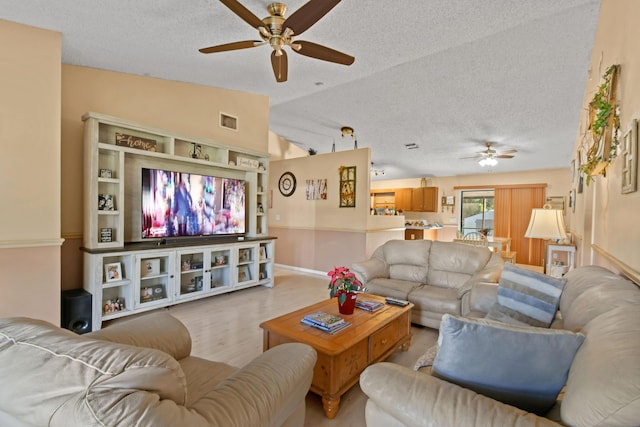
(287, 184)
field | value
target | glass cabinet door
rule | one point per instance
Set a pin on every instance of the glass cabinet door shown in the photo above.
(220, 266)
(246, 265)
(155, 272)
(193, 279)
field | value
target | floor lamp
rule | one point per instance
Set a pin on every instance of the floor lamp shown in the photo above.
(547, 224)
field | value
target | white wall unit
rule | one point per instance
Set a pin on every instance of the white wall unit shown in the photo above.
(112, 175)
(266, 252)
(150, 278)
(152, 275)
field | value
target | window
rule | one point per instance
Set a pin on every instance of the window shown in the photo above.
(476, 213)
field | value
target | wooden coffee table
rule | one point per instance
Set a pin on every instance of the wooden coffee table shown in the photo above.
(371, 338)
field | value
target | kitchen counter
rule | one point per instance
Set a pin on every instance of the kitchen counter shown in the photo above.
(425, 232)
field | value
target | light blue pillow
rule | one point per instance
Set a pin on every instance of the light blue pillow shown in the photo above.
(522, 366)
(526, 297)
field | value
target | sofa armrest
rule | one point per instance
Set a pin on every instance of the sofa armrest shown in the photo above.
(269, 391)
(490, 273)
(370, 269)
(160, 331)
(416, 399)
(265, 392)
(480, 298)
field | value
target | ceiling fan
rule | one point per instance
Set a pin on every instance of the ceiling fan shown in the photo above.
(278, 32)
(489, 156)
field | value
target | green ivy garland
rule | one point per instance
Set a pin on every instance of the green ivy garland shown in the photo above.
(600, 109)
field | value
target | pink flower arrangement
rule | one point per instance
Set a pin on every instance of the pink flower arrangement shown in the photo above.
(342, 282)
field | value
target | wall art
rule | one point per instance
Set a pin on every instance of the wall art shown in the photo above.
(629, 158)
(317, 189)
(347, 186)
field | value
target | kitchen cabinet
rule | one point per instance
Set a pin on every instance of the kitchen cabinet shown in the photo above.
(419, 233)
(424, 199)
(403, 198)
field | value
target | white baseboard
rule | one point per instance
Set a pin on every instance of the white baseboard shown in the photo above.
(300, 269)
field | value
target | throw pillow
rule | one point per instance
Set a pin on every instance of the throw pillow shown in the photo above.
(519, 365)
(526, 297)
(426, 360)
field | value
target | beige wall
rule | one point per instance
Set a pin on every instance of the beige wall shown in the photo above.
(557, 180)
(318, 234)
(280, 148)
(176, 107)
(606, 221)
(30, 172)
(298, 212)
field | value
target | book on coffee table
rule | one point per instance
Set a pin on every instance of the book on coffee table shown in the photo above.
(325, 322)
(368, 305)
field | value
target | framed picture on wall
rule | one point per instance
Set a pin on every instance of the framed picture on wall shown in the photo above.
(630, 159)
(556, 202)
(347, 186)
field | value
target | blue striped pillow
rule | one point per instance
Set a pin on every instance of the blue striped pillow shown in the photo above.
(526, 297)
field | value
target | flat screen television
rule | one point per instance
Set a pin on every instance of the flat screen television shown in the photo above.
(180, 204)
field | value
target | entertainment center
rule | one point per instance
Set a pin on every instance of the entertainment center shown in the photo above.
(169, 218)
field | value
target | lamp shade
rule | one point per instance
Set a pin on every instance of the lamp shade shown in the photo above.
(546, 224)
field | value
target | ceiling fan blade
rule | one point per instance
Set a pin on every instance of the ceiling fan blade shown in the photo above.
(244, 13)
(308, 14)
(504, 156)
(324, 53)
(509, 152)
(231, 46)
(470, 157)
(279, 64)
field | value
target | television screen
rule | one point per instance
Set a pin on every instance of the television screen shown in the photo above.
(176, 204)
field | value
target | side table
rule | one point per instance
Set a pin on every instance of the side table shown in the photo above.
(560, 253)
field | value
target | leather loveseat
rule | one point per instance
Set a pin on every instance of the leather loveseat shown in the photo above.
(140, 372)
(434, 276)
(602, 387)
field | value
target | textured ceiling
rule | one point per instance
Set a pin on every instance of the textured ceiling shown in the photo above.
(446, 75)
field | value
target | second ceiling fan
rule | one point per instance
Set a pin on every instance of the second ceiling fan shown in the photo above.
(488, 157)
(278, 32)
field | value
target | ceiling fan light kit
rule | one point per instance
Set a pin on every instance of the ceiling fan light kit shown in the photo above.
(488, 161)
(489, 156)
(279, 32)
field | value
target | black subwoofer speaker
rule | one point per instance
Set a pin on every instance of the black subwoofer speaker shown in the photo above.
(76, 310)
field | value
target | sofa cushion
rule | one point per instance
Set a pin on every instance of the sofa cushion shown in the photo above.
(56, 371)
(435, 299)
(452, 264)
(526, 297)
(391, 288)
(520, 365)
(603, 388)
(409, 273)
(409, 252)
(591, 291)
(202, 376)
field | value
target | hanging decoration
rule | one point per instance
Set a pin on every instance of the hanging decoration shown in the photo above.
(604, 126)
(347, 186)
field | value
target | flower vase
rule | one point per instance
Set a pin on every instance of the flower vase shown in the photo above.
(349, 304)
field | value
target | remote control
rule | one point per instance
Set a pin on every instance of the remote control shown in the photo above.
(395, 301)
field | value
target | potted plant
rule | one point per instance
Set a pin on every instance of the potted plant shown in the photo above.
(344, 284)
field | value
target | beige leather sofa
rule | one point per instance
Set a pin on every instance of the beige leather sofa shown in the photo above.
(603, 386)
(140, 373)
(434, 276)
